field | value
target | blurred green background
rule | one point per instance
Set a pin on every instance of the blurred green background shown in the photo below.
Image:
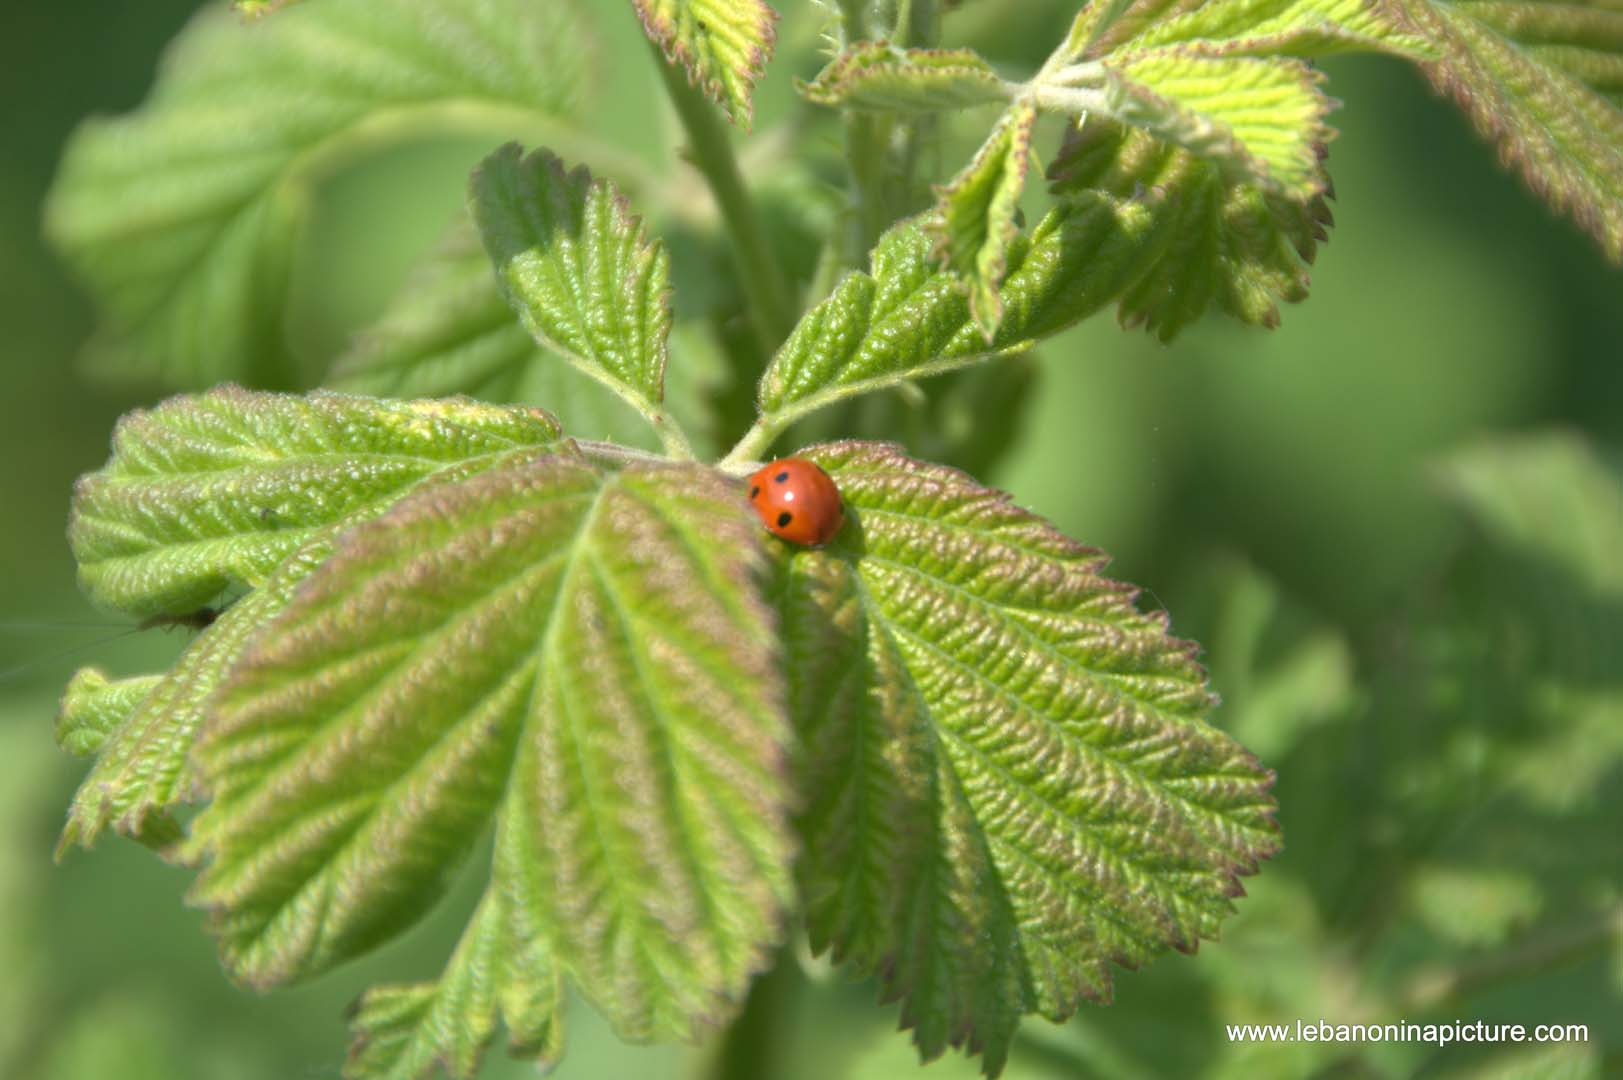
(1395, 524)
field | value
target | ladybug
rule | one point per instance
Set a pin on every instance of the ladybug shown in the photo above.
(797, 501)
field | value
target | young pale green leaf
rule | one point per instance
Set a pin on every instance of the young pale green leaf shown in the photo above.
(1306, 28)
(1012, 779)
(977, 215)
(581, 655)
(1260, 120)
(450, 331)
(182, 217)
(723, 45)
(211, 491)
(1545, 83)
(578, 268)
(416, 1031)
(908, 319)
(94, 706)
(1233, 245)
(888, 78)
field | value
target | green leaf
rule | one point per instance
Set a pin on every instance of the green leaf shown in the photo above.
(166, 522)
(1012, 779)
(908, 319)
(723, 45)
(977, 214)
(183, 216)
(211, 491)
(94, 706)
(450, 331)
(887, 78)
(413, 1031)
(582, 656)
(579, 270)
(1306, 28)
(1233, 245)
(1545, 83)
(1260, 120)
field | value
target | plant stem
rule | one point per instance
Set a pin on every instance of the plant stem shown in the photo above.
(866, 143)
(753, 1042)
(710, 149)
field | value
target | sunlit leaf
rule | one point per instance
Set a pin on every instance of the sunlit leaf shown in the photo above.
(578, 268)
(723, 45)
(93, 706)
(183, 216)
(1012, 777)
(1545, 83)
(878, 75)
(1260, 120)
(908, 319)
(581, 656)
(172, 520)
(211, 491)
(1306, 28)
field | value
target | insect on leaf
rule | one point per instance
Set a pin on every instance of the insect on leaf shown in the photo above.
(1014, 782)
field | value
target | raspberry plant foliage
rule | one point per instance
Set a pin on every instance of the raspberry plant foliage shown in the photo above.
(947, 747)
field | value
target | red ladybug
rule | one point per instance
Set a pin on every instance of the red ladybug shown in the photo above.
(797, 501)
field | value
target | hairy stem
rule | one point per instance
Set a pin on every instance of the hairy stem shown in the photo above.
(710, 149)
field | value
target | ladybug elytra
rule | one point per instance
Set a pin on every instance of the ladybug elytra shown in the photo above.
(797, 501)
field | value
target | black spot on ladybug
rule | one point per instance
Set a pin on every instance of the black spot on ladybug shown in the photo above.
(781, 477)
(785, 518)
(755, 491)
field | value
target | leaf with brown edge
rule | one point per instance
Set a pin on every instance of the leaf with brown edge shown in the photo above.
(888, 78)
(1014, 781)
(1544, 82)
(581, 657)
(179, 512)
(976, 216)
(1234, 246)
(723, 45)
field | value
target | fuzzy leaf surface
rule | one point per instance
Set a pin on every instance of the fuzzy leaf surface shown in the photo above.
(209, 491)
(1233, 246)
(1544, 82)
(182, 471)
(182, 217)
(1260, 120)
(879, 76)
(94, 706)
(451, 331)
(578, 268)
(1013, 782)
(1305, 28)
(907, 318)
(723, 45)
(496, 975)
(581, 656)
(977, 213)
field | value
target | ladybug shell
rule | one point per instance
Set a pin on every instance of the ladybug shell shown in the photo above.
(797, 501)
